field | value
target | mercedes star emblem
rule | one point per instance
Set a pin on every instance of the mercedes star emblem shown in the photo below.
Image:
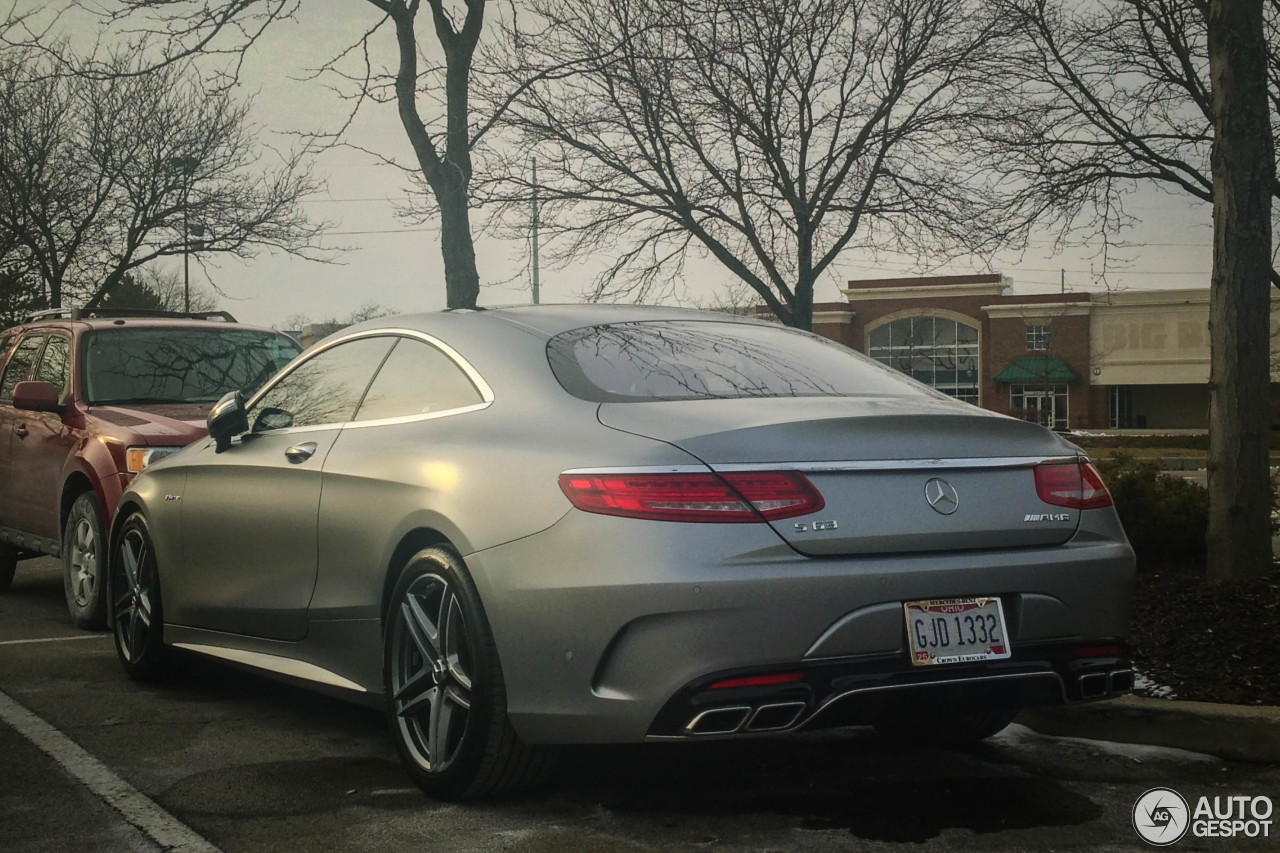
(942, 496)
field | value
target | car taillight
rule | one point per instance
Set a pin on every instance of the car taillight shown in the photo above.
(1076, 486)
(702, 497)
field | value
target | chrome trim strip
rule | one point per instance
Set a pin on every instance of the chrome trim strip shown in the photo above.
(982, 462)
(640, 469)
(409, 419)
(486, 392)
(275, 663)
(881, 688)
(904, 464)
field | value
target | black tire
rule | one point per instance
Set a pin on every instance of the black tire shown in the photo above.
(446, 702)
(84, 563)
(8, 565)
(948, 720)
(137, 618)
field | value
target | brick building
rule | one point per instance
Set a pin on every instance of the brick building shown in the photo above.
(1068, 360)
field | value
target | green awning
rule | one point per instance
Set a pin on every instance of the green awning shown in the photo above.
(1036, 368)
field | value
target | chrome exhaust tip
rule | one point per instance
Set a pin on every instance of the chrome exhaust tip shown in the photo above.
(1093, 685)
(718, 721)
(770, 718)
(1120, 681)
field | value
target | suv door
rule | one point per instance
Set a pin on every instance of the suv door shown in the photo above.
(249, 514)
(18, 369)
(40, 446)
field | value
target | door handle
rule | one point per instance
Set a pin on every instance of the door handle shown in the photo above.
(301, 452)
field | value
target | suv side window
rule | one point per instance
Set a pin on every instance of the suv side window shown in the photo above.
(417, 379)
(322, 390)
(55, 365)
(19, 368)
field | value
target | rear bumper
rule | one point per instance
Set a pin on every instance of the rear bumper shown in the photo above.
(862, 692)
(607, 633)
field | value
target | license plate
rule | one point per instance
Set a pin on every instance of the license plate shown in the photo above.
(956, 630)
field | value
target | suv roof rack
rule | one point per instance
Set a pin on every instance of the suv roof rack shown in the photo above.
(81, 314)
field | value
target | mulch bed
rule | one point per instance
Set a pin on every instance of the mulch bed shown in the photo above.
(1208, 642)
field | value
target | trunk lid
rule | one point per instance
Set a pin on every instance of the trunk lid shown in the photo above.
(897, 474)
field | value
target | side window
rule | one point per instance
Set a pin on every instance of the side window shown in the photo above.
(322, 390)
(417, 379)
(55, 365)
(19, 367)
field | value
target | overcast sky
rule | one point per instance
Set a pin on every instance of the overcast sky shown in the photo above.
(397, 264)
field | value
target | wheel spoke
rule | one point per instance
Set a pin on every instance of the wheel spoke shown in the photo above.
(144, 607)
(425, 634)
(438, 731)
(130, 556)
(458, 697)
(137, 633)
(411, 696)
(455, 642)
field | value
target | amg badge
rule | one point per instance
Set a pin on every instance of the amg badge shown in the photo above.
(1048, 516)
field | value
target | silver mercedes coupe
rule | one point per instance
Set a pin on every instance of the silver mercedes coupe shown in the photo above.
(522, 527)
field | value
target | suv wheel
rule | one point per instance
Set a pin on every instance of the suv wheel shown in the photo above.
(8, 565)
(84, 563)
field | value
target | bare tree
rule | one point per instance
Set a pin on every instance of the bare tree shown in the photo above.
(1244, 178)
(771, 135)
(1182, 94)
(442, 136)
(102, 174)
(159, 290)
(1111, 94)
(19, 296)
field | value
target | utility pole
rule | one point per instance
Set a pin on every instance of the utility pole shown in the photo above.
(187, 166)
(534, 199)
(1064, 279)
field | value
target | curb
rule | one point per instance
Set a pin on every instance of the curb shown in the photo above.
(1237, 732)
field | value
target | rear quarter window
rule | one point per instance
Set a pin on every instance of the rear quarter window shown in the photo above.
(707, 359)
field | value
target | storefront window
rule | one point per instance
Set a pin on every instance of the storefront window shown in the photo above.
(1042, 404)
(938, 351)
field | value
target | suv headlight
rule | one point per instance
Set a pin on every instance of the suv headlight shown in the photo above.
(137, 458)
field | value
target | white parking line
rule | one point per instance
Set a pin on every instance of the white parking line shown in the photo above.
(55, 639)
(134, 806)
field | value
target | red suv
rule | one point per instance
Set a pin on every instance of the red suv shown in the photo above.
(86, 402)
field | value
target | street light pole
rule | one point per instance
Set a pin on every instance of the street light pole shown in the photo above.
(186, 254)
(535, 231)
(187, 165)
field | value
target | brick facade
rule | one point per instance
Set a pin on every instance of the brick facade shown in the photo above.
(984, 302)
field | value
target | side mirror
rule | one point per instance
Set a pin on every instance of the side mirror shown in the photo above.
(36, 397)
(227, 420)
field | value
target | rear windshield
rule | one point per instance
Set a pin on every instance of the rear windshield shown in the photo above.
(705, 359)
(180, 365)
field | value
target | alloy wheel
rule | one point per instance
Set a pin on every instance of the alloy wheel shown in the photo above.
(84, 562)
(133, 610)
(431, 683)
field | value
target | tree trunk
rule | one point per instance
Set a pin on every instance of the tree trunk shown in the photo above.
(461, 279)
(1239, 535)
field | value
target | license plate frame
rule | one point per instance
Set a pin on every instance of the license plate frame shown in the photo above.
(949, 631)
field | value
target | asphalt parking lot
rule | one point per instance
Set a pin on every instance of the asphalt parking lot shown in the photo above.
(220, 759)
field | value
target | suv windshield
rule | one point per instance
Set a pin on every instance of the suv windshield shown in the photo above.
(180, 365)
(702, 359)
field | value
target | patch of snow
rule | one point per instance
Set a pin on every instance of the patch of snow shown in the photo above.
(1144, 686)
(1018, 735)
